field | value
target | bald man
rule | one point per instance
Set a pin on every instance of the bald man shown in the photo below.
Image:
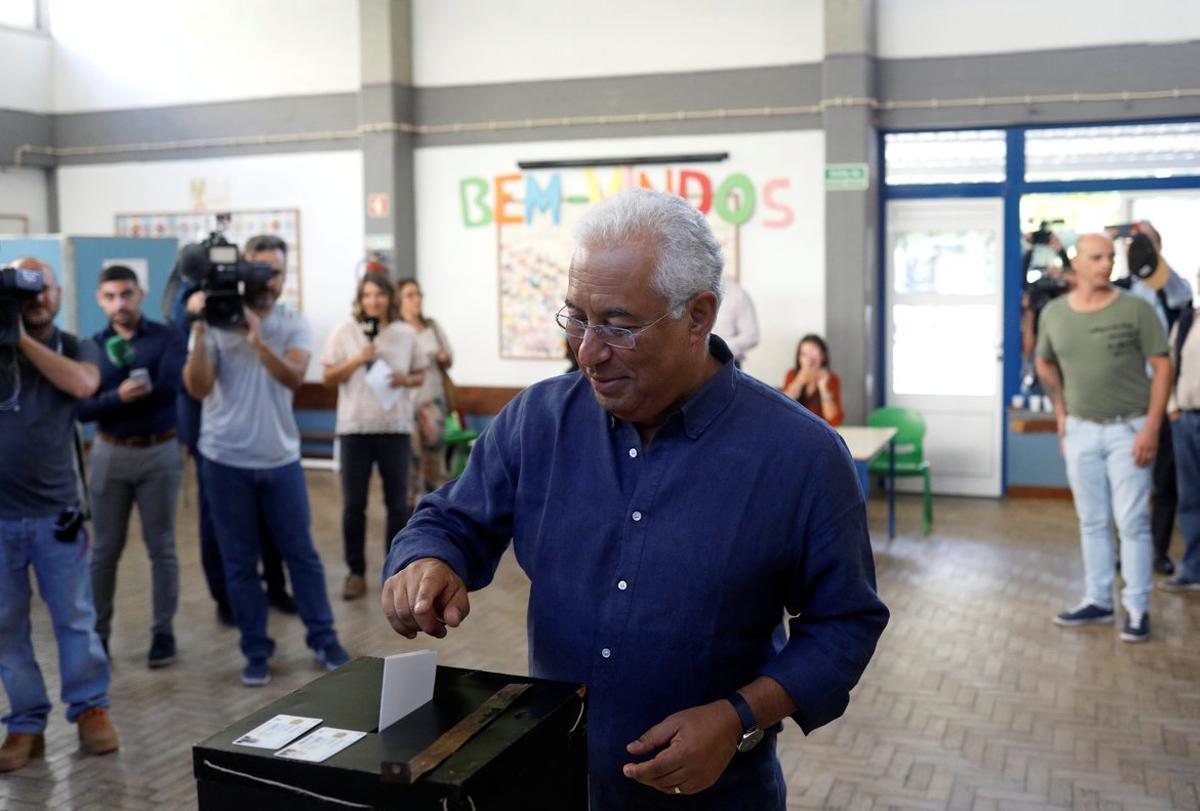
(1100, 341)
(41, 528)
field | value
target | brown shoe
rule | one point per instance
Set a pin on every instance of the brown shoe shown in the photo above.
(18, 748)
(355, 587)
(96, 733)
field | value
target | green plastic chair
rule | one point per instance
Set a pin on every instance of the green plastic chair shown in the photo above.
(458, 443)
(910, 450)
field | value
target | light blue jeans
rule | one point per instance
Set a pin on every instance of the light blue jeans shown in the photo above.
(1107, 485)
(66, 587)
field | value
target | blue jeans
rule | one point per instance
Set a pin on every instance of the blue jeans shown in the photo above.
(239, 498)
(1185, 435)
(1107, 485)
(64, 582)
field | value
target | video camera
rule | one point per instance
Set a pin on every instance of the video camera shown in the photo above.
(216, 265)
(16, 285)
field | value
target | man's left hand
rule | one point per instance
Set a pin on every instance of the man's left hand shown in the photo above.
(699, 743)
(1145, 446)
(253, 327)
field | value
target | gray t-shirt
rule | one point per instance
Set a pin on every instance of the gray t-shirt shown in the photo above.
(37, 442)
(246, 420)
(1102, 355)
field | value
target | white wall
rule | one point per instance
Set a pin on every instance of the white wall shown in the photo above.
(327, 187)
(1004, 26)
(23, 191)
(782, 268)
(121, 54)
(25, 60)
(471, 42)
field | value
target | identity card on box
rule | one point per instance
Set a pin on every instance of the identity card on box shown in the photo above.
(279, 731)
(323, 743)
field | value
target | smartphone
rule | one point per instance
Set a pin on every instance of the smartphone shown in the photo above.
(1123, 230)
(141, 375)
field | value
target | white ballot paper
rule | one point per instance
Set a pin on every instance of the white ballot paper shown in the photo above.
(407, 684)
(323, 743)
(279, 731)
(379, 378)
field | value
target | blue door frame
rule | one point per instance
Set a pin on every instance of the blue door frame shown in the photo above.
(1011, 191)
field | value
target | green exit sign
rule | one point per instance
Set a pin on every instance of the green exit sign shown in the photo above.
(847, 177)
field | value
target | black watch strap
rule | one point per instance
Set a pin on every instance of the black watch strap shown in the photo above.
(742, 708)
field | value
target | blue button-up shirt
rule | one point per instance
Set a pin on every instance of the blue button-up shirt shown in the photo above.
(157, 348)
(660, 574)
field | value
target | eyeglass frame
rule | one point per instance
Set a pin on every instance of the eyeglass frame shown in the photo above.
(633, 333)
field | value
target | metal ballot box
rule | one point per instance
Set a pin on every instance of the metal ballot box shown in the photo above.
(525, 752)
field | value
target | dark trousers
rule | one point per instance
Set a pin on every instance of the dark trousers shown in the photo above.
(246, 498)
(1186, 433)
(1165, 500)
(210, 552)
(357, 455)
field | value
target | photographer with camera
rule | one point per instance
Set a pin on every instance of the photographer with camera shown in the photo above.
(134, 456)
(246, 366)
(1153, 280)
(44, 373)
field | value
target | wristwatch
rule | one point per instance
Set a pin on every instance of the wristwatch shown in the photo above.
(751, 733)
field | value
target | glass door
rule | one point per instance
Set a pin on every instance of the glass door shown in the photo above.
(945, 259)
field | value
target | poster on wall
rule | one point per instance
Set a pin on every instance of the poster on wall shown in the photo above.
(534, 254)
(193, 226)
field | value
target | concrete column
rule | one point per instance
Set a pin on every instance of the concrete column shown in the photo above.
(386, 96)
(851, 228)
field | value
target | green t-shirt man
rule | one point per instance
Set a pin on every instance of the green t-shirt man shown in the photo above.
(1102, 355)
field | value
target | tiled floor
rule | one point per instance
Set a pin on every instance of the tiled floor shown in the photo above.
(974, 699)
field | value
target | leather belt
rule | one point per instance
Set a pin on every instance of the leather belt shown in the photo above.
(138, 441)
(1110, 420)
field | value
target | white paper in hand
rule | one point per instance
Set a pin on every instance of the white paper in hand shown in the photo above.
(379, 378)
(407, 684)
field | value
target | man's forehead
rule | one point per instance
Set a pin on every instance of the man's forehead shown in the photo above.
(274, 258)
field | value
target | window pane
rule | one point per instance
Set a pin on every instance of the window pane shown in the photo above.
(974, 156)
(18, 13)
(1091, 153)
(961, 263)
(946, 349)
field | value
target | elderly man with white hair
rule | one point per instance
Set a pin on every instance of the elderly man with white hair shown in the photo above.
(668, 510)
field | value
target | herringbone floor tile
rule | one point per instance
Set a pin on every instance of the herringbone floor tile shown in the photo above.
(975, 700)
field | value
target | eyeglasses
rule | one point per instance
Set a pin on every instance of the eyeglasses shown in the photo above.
(616, 337)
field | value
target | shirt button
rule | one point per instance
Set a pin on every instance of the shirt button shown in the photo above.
(633, 453)
(606, 653)
(622, 585)
(637, 516)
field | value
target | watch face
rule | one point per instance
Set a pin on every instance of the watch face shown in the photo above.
(750, 740)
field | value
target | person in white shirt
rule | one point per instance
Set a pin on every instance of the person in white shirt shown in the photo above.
(736, 322)
(367, 358)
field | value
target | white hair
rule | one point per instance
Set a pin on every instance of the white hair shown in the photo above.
(687, 257)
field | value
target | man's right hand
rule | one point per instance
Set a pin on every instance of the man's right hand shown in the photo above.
(195, 303)
(131, 389)
(426, 595)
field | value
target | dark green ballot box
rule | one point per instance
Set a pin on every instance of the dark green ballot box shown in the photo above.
(527, 752)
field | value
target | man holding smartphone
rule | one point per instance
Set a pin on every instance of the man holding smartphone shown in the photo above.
(134, 457)
(41, 384)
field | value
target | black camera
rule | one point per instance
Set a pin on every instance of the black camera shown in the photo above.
(1045, 290)
(16, 285)
(228, 281)
(1044, 232)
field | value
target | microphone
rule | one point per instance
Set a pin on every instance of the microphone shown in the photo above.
(370, 328)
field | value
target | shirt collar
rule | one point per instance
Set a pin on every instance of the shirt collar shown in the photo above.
(711, 399)
(138, 331)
